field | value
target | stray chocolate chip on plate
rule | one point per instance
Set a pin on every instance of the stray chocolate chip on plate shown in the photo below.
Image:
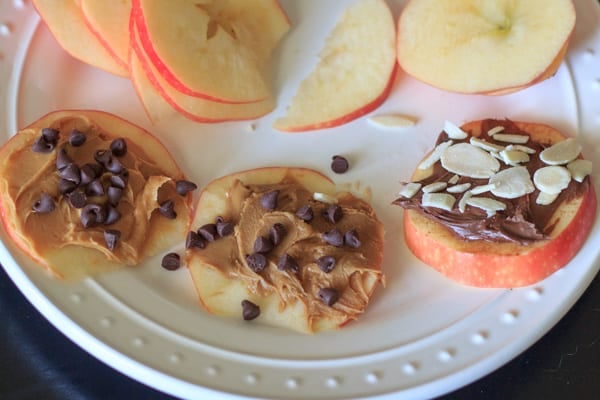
(183, 187)
(256, 262)
(269, 200)
(329, 296)
(326, 263)
(44, 204)
(249, 310)
(171, 261)
(339, 164)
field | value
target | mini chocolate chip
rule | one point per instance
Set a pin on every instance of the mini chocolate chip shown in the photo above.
(112, 215)
(208, 232)
(92, 215)
(89, 172)
(111, 237)
(171, 261)
(62, 159)
(113, 165)
(71, 173)
(94, 188)
(225, 228)
(249, 310)
(41, 146)
(118, 147)
(120, 180)
(263, 245)
(339, 164)
(44, 204)
(269, 200)
(334, 213)
(256, 262)
(50, 135)
(114, 195)
(333, 237)
(65, 186)
(77, 198)
(77, 138)
(305, 213)
(326, 263)
(287, 263)
(277, 233)
(102, 156)
(183, 187)
(194, 240)
(351, 239)
(167, 209)
(329, 296)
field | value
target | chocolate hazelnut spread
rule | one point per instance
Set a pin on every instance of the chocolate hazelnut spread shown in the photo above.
(523, 221)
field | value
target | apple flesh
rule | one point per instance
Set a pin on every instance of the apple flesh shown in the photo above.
(65, 21)
(354, 75)
(492, 47)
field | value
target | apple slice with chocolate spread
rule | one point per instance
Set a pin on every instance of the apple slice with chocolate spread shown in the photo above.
(281, 246)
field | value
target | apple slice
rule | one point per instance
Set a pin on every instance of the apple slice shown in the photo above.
(286, 299)
(159, 98)
(57, 238)
(67, 24)
(491, 47)
(212, 49)
(109, 21)
(354, 75)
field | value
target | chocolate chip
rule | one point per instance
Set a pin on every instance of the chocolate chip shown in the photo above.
(94, 188)
(77, 138)
(71, 173)
(65, 186)
(249, 310)
(263, 245)
(50, 135)
(183, 187)
(269, 200)
(305, 213)
(334, 213)
(113, 165)
(351, 239)
(326, 263)
(118, 147)
(41, 146)
(333, 237)
(224, 228)
(62, 159)
(167, 209)
(114, 195)
(171, 261)
(89, 172)
(256, 262)
(287, 263)
(329, 296)
(92, 215)
(194, 240)
(120, 180)
(44, 204)
(77, 198)
(112, 215)
(111, 237)
(339, 164)
(277, 233)
(102, 156)
(208, 232)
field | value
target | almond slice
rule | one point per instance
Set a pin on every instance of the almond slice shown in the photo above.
(454, 179)
(454, 132)
(512, 183)
(520, 147)
(511, 138)
(485, 145)
(561, 152)
(579, 169)
(468, 160)
(483, 188)
(392, 121)
(435, 155)
(462, 203)
(444, 201)
(434, 187)
(495, 130)
(463, 187)
(514, 157)
(545, 199)
(409, 189)
(552, 179)
(490, 206)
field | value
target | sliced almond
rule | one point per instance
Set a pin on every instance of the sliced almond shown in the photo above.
(435, 155)
(392, 121)
(552, 179)
(482, 188)
(545, 199)
(444, 201)
(409, 189)
(462, 203)
(520, 147)
(512, 182)
(561, 152)
(463, 187)
(324, 198)
(579, 169)
(490, 206)
(453, 180)
(434, 187)
(495, 130)
(511, 138)
(467, 160)
(514, 157)
(454, 132)
(485, 145)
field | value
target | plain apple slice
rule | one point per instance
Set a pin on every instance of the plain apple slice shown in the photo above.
(221, 291)
(355, 72)
(159, 98)
(206, 52)
(491, 47)
(67, 24)
(74, 257)
(109, 21)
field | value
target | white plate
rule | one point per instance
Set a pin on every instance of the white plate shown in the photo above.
(422, 335)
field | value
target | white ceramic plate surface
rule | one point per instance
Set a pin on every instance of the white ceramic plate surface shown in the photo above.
(422, 335)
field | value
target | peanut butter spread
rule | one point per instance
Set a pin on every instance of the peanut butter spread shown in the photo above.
(327, 256)
(74, 184)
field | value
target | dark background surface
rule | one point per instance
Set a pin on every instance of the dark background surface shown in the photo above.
(39, 362)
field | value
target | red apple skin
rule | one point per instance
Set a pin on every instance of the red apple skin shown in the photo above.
(352, 115)
(505, 271)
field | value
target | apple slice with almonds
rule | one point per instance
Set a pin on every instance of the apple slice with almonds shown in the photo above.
(289, 298)
(210, 49)
(490, 47)
(354, 75)
(60, 228)
(65, 21)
